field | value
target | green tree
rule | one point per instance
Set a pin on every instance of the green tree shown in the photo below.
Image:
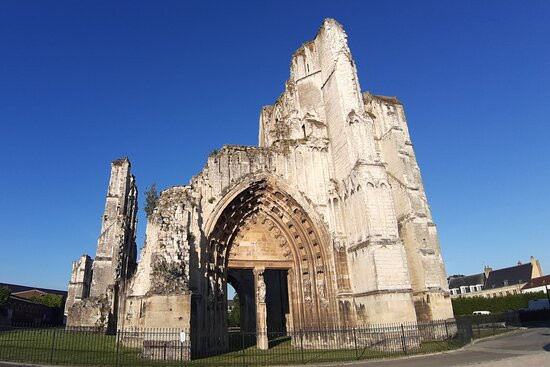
(151, 199)
(4, 295)
(234, 316)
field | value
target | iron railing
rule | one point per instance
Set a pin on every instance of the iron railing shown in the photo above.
(171, 347)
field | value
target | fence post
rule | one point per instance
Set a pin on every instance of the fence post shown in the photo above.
(447, 332)
(403, 341)
(302, 345)
(116, 341)
(53, 346)
(355, 343)
(182, 362)
(242, 347)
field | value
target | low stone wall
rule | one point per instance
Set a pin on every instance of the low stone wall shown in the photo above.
(158, 344)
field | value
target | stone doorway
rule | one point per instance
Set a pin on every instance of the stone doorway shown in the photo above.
(261, 235)
(264, 302)
(278, 311)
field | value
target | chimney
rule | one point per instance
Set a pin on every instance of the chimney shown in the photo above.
(487, 270)
(536, 268)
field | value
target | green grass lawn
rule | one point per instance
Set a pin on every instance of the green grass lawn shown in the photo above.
(77, 348)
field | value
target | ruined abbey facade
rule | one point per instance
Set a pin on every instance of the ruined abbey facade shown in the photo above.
(324, 224)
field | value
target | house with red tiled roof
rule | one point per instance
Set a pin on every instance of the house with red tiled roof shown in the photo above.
(539, 284)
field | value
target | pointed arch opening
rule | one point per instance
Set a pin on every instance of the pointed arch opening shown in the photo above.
(264, 229)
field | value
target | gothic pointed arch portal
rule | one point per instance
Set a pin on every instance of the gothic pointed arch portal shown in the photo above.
(262, 227)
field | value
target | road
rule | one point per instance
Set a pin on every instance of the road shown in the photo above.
(525, 348)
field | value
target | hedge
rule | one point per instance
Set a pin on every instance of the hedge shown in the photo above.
(466, 306)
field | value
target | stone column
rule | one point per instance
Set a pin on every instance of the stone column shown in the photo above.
(290, 290)
(261, 309)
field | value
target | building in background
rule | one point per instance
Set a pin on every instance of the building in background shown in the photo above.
(461, 284)
(32, 305)
(495, 283)
(535, 285)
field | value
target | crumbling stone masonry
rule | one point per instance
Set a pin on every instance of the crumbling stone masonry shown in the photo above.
(324, 224)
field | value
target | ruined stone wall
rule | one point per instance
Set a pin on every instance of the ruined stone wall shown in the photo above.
(116, 247)
(79, 284)
(163, 274)
(416, 227)
(338, 168)
(115, 259)
(360, 210)
(320, 139)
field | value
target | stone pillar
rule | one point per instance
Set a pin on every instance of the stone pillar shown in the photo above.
(261, 309)
(290, 289)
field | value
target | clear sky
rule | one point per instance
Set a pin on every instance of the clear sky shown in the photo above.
(167, 82)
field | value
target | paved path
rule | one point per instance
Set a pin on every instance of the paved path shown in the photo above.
(525, 349)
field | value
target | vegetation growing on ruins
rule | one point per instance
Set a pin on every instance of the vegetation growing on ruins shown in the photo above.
(466, 306)
(50, 300)
(151, 199)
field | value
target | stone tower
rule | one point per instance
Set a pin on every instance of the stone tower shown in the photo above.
(98, 282)
(325, 224)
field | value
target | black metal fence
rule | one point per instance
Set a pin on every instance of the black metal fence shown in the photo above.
(493, 324)
(170, 347)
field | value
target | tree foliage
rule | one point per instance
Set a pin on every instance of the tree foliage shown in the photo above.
(234, 316)
(4, 295)
(466, 306)
(151, 199)
(50, 300)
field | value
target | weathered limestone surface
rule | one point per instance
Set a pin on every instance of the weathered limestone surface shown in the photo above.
(116, 246)
(115, 259)
(79, 285)
(332, 198)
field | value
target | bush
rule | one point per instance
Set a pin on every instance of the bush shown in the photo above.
(466, 306)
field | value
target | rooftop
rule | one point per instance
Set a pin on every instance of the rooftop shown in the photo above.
(538, 282)
(509, 276)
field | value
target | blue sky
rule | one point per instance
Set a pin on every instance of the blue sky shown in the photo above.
(166, 82)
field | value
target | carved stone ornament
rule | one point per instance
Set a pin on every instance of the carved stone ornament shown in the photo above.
(261, 289)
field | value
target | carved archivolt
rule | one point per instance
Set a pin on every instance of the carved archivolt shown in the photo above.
(299, 237)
